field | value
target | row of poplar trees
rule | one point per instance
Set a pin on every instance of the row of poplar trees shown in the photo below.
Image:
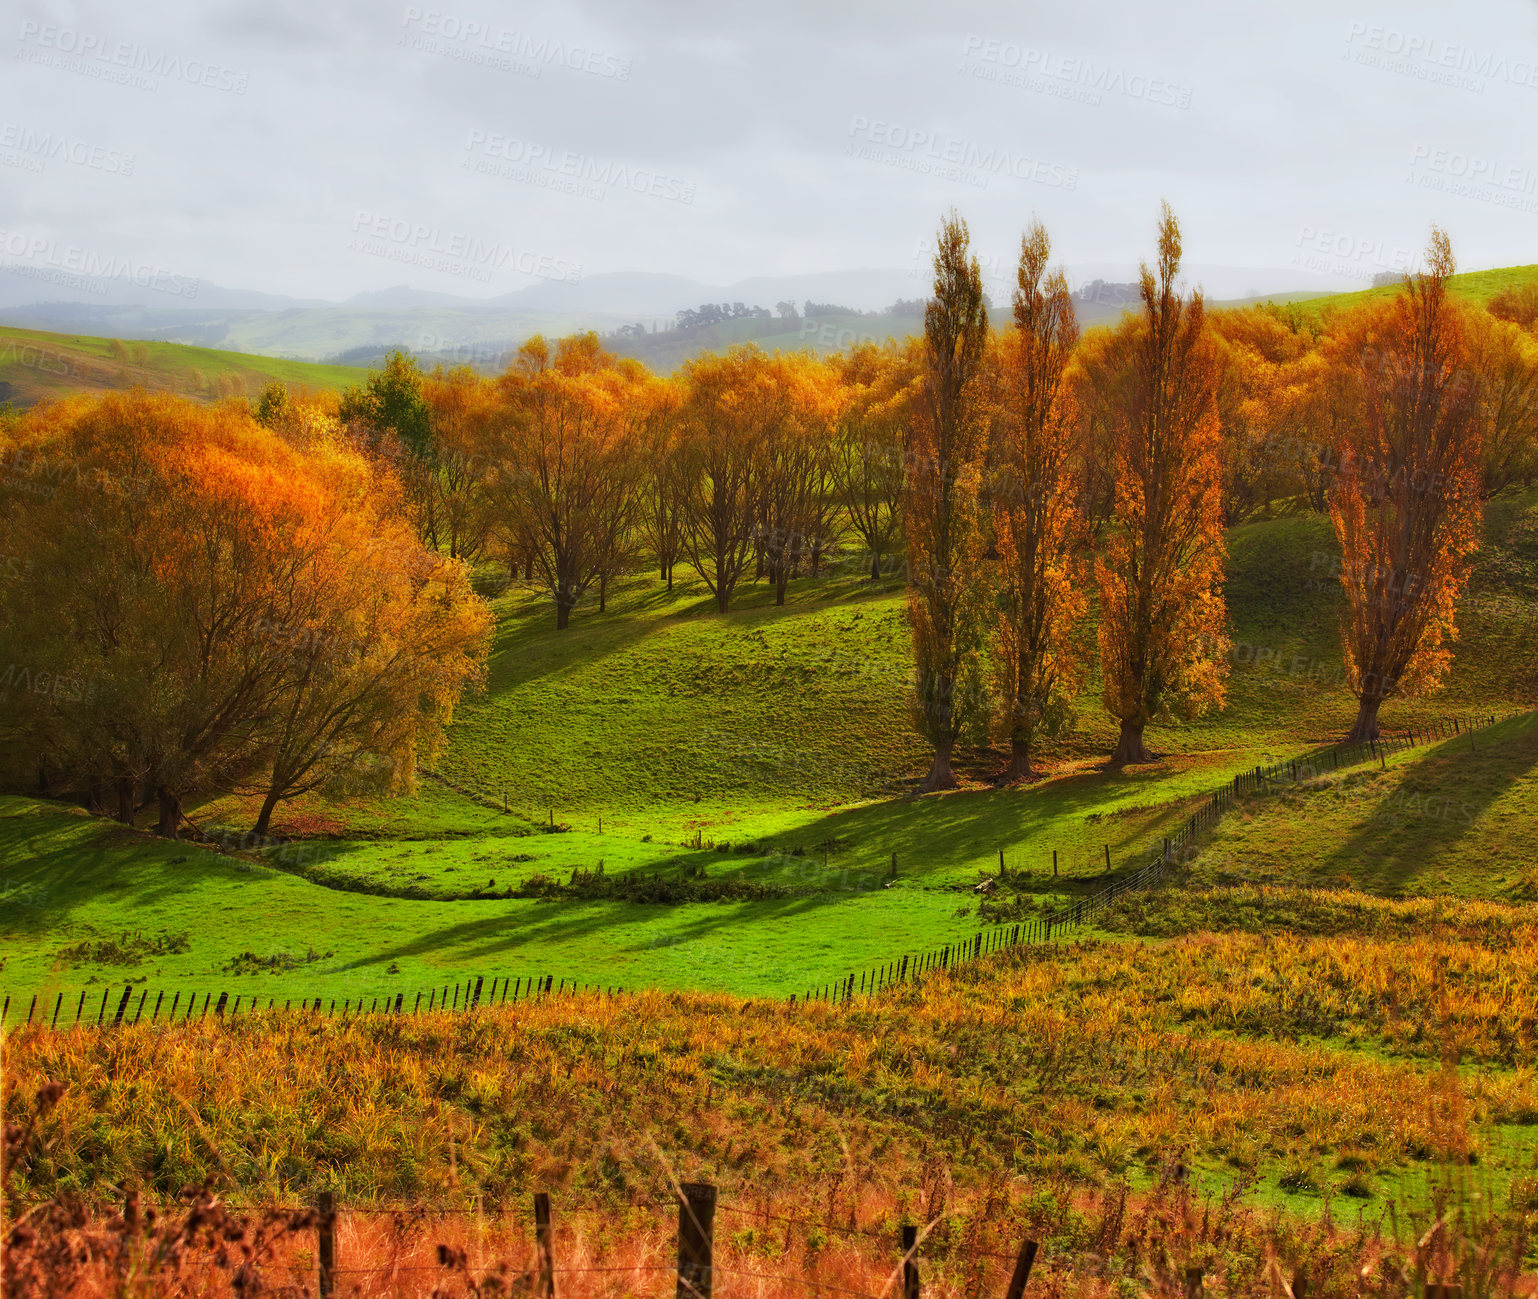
(991, 484)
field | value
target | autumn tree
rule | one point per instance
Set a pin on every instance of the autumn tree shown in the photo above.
(182, 562)
(792, 407)
(1163, 648)
(393, 635)
(1037, 666)
(447, 483)
(1405, 501)
(1260, 356)
(567, 484)
(1503, 359)
(659, 515)
(944, 452)
(729, 403)
(878, 386)
(1518, 304)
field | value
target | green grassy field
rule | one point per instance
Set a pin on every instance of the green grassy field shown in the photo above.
(1479, 286)
(778, 741)
(37, 366)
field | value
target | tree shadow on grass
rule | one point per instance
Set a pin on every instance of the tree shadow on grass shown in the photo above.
(58, 860)
(1435, 805)
(506, 943)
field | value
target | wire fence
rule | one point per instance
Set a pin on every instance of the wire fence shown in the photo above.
(474, 994)
(511, 1260)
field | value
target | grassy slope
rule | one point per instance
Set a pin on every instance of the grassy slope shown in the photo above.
(37, 366)
(1480, 286)
(781, 728)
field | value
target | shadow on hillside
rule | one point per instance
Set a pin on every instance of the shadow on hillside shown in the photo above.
(527, 646)
(1436, 804)
(59, 862)
(505, 942)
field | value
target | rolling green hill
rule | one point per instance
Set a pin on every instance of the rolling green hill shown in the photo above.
(37, 366)
(1478, 286)
(778, 740)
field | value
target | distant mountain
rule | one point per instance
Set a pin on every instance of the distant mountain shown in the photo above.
(135, 304)
(128, 284)
(403, 298)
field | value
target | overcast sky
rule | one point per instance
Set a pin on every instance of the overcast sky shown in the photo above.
(321, 148)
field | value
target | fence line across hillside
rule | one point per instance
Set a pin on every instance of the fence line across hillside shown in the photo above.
(468, 994)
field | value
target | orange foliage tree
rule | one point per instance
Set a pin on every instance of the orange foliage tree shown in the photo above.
(729, 406)
(447, 485)
(1504, 360)
(1163, 647)
(795, 408)
(946, 443)
(1405, 501)
(878, 386)
(186, 561)
(1262, 457)
(566, 482)
(1037, 667)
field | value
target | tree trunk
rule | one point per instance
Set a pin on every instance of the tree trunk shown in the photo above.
(940, 774)
(124, 788)
(603, 592)
(528, 567)
(264, 817)
(781, 580)
(1130, 747)
(1019, 759)
(670, 578)
(875, 566)
(1366, 725)
(170, 814)
(95, 799)
(562, 614)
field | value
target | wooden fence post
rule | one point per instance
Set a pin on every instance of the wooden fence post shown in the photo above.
(696, 1235)
(546, 1283)
(910, 1247)
(1022, 1274)
(325, 1251)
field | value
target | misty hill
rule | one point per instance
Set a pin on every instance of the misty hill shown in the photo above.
(132, 305)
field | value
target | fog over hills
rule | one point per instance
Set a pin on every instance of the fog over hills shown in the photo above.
(132, 303)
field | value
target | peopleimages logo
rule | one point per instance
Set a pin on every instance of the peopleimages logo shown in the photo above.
(418, 244)
(1064, 77)
(931, 152)
(47, 259)
(45, 146)
(563, 168)
(95, 56)
(1429, 59)
(1476, 170)
(445, 30)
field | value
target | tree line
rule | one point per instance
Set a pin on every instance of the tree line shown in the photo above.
(1047, 497)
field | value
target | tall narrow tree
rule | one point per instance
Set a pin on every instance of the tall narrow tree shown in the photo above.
(1405, 502)
(946, 444)
(1163, 647)
(1037, 666)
